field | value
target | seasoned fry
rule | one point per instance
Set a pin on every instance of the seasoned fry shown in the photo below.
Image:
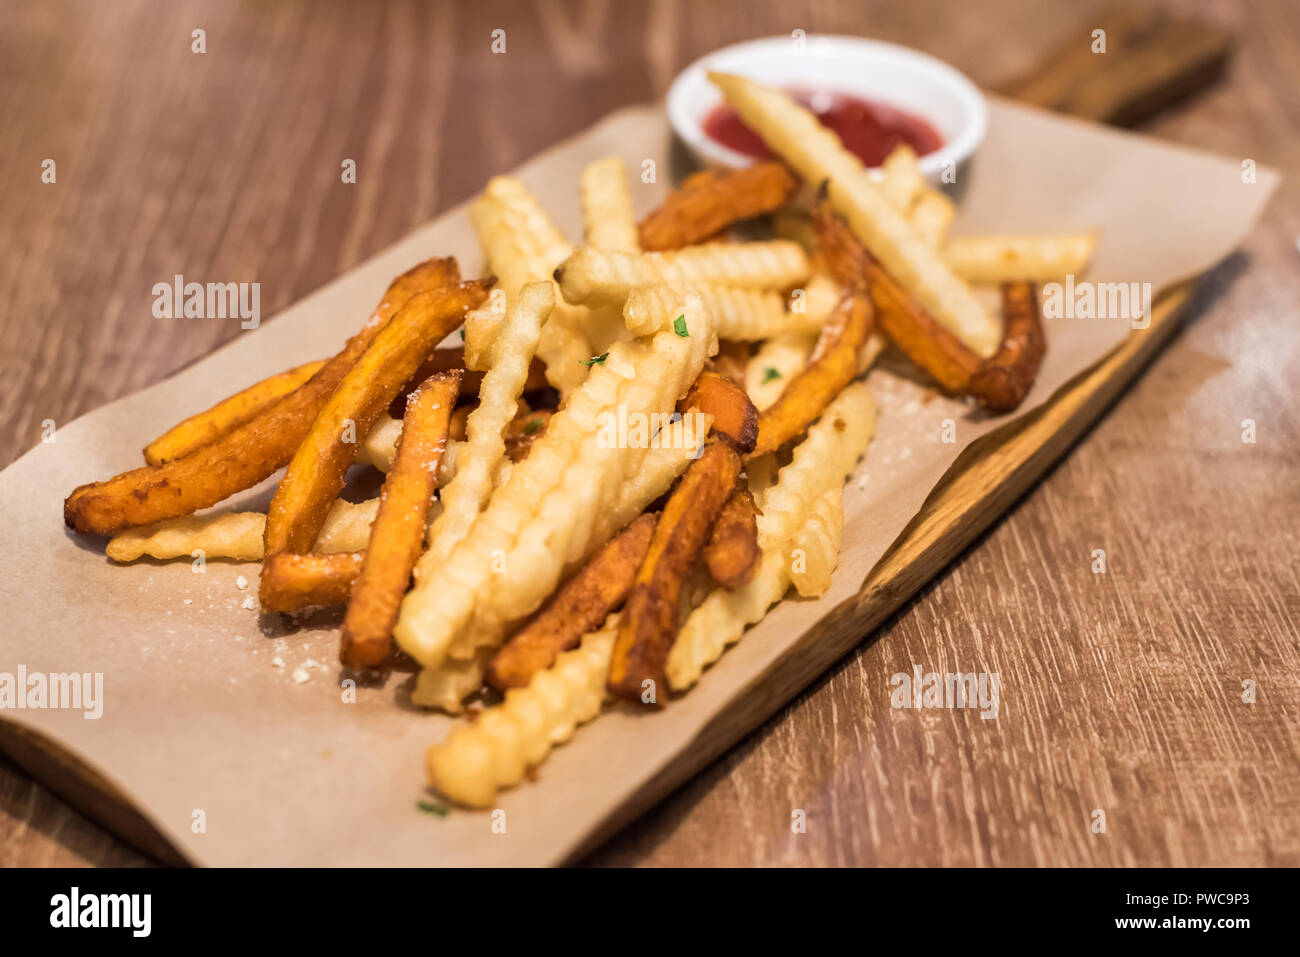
(316, 473)
(607, 215)
(398, 531)
(243, 457)
(464, 497)
(808, 393)
(709, 202)
(821, 461)
(238, 535)
(477, 760)
(775, 364)
(744, 314)
(578, 607)
(816, 154)
(930, 216)
(227, 415)
(734, 415)
(732, 554)
(650, 615)
(297, 582)
(1003, 380)
(1019, 258)
(932, 347)
(554, 507)
(605, 277)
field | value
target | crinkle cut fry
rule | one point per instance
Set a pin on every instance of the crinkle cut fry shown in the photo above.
(397, 534)
(297, 582)
(316, 473)
(948, 360)
(709, 202)
(808, 393)
(650, 616)
(230, 413)
(578, 607)
(241, 458)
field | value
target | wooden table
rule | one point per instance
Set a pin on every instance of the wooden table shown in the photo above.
(1121, 692)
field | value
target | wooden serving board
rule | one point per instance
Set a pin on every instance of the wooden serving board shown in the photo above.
(991, 474)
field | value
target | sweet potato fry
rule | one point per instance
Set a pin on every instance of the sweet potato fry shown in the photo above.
(808, 393)
(732, 555)
(709, 202)
(1004, 379)
(301, 581)
(243, 457)
(948, 360)
(734, 416)
(227, 415)
(650, 617)
(397, 535)
(316, 473)
(578, 607)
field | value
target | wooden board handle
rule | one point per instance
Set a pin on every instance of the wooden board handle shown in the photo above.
(1151, 61)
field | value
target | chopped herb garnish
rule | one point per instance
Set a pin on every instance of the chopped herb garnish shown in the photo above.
(462, 333)
(534, 426)
(679, 326)
(428, 808)
(770, 373)
(594, 360)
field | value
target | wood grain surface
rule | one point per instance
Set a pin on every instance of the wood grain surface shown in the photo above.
(1121, 691)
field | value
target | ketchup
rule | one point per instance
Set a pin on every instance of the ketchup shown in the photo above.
(868, 129)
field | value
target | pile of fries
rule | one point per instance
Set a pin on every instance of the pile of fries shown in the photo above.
(640, 448)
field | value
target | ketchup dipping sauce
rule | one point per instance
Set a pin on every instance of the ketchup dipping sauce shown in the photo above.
(868, 129)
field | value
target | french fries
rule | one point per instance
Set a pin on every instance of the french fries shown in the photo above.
(607, 206)
(816, 154)
(775, 364)
(579, 606)
(732, 554)
(397, 534)
(815, 550)
(292, 583)
(228, 414)
(932, 347)
(734, 416)
(1004, 379)
(238, 535)
(998, 259)
(512, 351)
(901, 181)
(316, 472)
(930, 216)
(821, 461)
(477, 760)
(603, 277)
(649, 619)
(740, 314)
(808, 393)
(243, 457)
(709, 202)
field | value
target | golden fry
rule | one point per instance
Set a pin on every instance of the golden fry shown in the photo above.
(302, 581)
(397, 534)
(243, 457)
(732, 554)
(709, 202)
(227, 415)
(649, 620)
(578, 607)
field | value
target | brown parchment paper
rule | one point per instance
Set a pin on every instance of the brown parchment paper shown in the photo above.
(205, 708)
